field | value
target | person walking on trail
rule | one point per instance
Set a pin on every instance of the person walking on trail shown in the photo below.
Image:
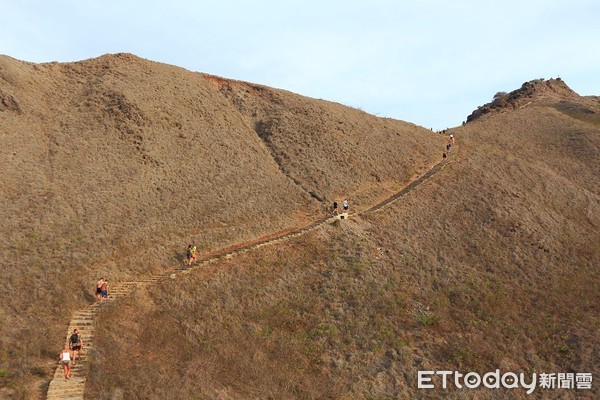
(444, 155)
(99, 289)
(451, 139)
(345, 205)
(190, 254)
(65, 358)
(76, 344)
(104, 290)
(335, 208)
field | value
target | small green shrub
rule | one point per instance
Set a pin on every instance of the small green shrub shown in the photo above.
(428, 319)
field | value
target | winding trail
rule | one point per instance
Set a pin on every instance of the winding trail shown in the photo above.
(85, 318)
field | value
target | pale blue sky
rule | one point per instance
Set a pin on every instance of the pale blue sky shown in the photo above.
(426, 62)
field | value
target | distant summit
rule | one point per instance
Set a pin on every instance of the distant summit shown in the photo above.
(538, 89)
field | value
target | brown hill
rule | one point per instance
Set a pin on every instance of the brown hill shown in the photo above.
(493, 263)
(110, 166)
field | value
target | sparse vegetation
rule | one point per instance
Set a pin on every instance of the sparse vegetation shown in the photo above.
(110, 166)
(490, 264)
(500, 95)
(503, 277)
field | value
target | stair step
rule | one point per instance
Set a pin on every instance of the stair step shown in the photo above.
(84, 330)
(60, 384)
(77, 368)
(82, 362)
(71, 382)
(61, 378)
(75, 373)
(65, 397)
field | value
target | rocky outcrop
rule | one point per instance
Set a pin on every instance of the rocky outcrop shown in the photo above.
(8, 102)
(533, 90)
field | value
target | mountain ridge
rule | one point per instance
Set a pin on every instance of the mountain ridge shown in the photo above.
(551, 91)
(112, 165)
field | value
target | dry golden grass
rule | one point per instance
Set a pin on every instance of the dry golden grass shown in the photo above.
(110, 166)
(491, 264)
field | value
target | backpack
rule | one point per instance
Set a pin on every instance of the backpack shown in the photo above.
(75, 339)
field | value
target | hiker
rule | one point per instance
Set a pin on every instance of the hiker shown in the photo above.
(444, 155)
(448, 146)
(65, 357)
(76, 344)
(104, 290)
(335, 208)
(99, 289)
(345, 205)
(190, 253)
(451, 139)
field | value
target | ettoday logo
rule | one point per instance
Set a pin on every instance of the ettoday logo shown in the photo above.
(472, 380)
(507, 380)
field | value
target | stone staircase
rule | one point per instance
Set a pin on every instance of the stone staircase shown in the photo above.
(84, 319)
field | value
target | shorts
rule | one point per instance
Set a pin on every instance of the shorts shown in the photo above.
(104, 293)
(346, 208)
(66, 363)
(76, 348)
(98, 291)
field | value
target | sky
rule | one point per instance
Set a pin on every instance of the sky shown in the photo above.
(427, 62)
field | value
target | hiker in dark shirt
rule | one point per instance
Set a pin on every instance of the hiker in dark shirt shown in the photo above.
(76, 344)
(99, 289)
(104, 291)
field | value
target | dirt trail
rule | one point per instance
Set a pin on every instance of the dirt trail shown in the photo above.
(84, 319)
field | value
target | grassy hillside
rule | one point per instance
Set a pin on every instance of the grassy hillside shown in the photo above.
(491, 264)
(110, 166)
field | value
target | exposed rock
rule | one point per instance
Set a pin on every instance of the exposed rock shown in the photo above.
(530, 91)
(8, 102)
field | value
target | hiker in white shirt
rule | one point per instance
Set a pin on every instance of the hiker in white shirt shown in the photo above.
(65, 358)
